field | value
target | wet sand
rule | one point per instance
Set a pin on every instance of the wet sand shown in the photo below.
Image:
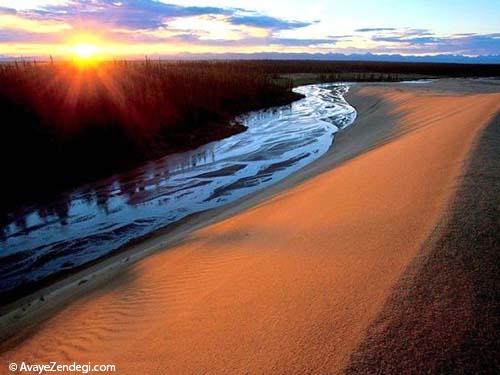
(291, 280)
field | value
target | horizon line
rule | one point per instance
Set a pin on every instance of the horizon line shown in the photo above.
(313, 56)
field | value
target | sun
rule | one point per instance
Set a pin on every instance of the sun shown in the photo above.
(85, 51)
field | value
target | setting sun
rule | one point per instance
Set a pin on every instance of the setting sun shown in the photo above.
(85, 48)
(85, 51)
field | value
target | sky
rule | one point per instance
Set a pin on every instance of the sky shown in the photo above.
(133, 28)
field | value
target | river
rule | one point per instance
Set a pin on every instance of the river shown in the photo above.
(95, 220)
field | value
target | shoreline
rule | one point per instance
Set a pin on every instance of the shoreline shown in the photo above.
(32, 307)
(373, 200)
(22, 290)
(211, 132)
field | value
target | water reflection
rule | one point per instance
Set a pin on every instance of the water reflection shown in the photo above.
(96, 219)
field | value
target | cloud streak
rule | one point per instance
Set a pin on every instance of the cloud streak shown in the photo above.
(424, 41)
(267, 22)
(370, 30)
(149, 14)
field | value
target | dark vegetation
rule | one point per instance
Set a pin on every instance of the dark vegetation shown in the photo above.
(63, 125)
(366, 68)
(307, 72)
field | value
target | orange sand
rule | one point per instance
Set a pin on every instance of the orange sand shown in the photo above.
(291, 285)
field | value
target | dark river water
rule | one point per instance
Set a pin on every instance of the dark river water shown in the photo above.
(90, 222)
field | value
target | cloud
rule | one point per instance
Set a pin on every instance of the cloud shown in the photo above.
(424, 41)
(13, 21)
(4, 10)
(22, 36)
(406, 39)
(293, 42)
(267, 22)
(369, 30)
(479, 44)
(279, 42)
(151, 14)
(133, 14)
(152, 22)
(251, 41)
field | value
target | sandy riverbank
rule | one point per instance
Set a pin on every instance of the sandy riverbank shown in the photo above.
(288, 281)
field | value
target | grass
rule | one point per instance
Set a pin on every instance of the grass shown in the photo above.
(64, 125)
(299, 79)
(364, 69)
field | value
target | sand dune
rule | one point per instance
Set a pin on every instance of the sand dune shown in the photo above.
(292, 284)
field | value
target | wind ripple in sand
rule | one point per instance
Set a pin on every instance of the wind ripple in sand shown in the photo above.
(93, 221)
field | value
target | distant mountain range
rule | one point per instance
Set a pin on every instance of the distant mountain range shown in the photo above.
(457, 59)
